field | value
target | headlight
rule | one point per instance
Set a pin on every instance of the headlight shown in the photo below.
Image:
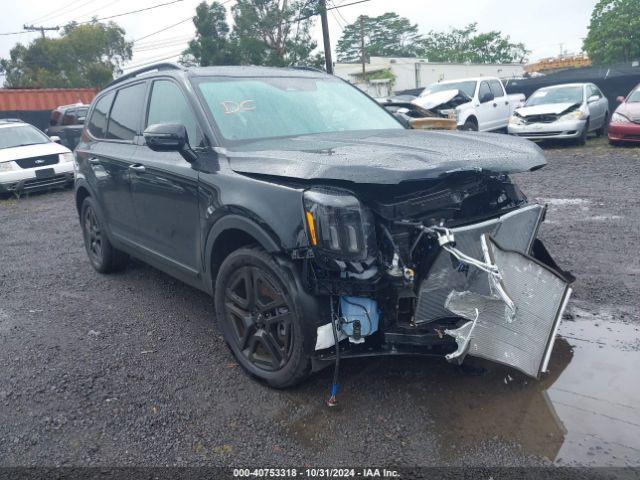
(575, 115)
(619, 118)
(338, 224)
(66, 157)
(516, 120)
(7, 167)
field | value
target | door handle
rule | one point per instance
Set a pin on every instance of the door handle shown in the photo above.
(137, 168)
(495, 105)
(94, 161)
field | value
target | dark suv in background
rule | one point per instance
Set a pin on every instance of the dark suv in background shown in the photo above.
(67, 122)
(321, 226)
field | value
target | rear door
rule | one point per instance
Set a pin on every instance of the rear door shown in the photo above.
(110, 157)
(165, 186)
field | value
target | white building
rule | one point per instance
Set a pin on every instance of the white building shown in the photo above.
(413, 73)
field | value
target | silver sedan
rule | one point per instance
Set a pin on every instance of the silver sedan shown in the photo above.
(568, 111)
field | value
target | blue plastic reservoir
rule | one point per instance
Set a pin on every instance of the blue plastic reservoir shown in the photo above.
(365, 310)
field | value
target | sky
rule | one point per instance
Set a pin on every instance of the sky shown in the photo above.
(544, 26)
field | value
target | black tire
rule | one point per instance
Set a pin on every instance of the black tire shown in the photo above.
(603, 130)
(582, 139)
(266, 334)
(470, 126)
(102, 255)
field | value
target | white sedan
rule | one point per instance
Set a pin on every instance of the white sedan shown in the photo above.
(29, 160)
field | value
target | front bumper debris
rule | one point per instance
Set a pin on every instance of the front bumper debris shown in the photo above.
(520, 333)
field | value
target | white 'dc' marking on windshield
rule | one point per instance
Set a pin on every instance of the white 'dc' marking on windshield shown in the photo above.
(230, 107)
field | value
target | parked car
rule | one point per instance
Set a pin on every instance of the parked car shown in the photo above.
(625, 121)
(67, 122)
(315, 219)
(567, 111)
(30, 160)
(479, 104)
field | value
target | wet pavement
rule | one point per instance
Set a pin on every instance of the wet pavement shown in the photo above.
(129, 369)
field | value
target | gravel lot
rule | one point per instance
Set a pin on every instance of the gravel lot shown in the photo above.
(129, 369)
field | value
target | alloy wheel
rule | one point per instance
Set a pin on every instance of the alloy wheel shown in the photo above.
(260, 317)
(93, 234)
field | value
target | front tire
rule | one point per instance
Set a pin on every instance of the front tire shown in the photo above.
(470, 126)
(102, 255)
(582, 139)
(259, 318)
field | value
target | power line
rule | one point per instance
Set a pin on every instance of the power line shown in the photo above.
(163, 29)
(115, 16)
(335, 7)
(58, 12)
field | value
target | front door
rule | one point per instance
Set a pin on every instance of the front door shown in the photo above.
(165, 186)
(487, 110)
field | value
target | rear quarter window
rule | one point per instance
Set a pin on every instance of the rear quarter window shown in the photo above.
(496, 88)
(98, 121)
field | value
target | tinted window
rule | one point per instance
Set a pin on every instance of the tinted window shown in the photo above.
(98, 121)
(484, 90)
(168, 105)
(496, 88)
(126, 112)
(69, 117)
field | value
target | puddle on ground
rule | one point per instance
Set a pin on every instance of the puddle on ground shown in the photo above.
(585, 411)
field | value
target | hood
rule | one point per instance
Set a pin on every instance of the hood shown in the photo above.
(546, 109)
(441, 99)
(385, 156)
(29, 151)
(630, 110)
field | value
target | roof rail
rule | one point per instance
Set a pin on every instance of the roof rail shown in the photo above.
(157, 67)
(10, 120)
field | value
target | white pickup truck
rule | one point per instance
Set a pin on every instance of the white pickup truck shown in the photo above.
(479, 104)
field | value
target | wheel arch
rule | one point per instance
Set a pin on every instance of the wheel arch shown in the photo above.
(82, 192)
(229, 234)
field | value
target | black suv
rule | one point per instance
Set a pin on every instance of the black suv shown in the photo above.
(315, 219)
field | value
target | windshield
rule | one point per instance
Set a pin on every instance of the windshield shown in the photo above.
(546, 96)
(468, 87)
(21, 135)
(259, 108)
(634, 97)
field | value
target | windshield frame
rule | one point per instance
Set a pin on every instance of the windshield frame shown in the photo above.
(28, 127)
(552, 88)
(221, 140)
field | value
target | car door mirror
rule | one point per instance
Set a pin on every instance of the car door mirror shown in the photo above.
(55, 138)
(620, 99)
(487, 97)
(593, 99)
(169, 137)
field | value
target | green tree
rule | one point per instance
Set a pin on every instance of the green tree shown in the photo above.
(614, 32)
(462, 45)
(388, 35)
(87, 55)
(273, 32)
(211, 45)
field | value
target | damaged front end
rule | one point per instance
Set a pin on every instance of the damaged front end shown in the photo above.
(447, 267)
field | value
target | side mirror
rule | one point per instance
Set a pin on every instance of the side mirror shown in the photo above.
(170, 137)
(593, 98)
(620, 99)
(55, 138)
(487, 97)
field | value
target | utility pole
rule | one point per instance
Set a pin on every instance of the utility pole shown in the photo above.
(33, 28)
(325, 37)
(362, 56)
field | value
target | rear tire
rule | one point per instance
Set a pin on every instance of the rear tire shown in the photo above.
(257, 312)
(102, 255)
